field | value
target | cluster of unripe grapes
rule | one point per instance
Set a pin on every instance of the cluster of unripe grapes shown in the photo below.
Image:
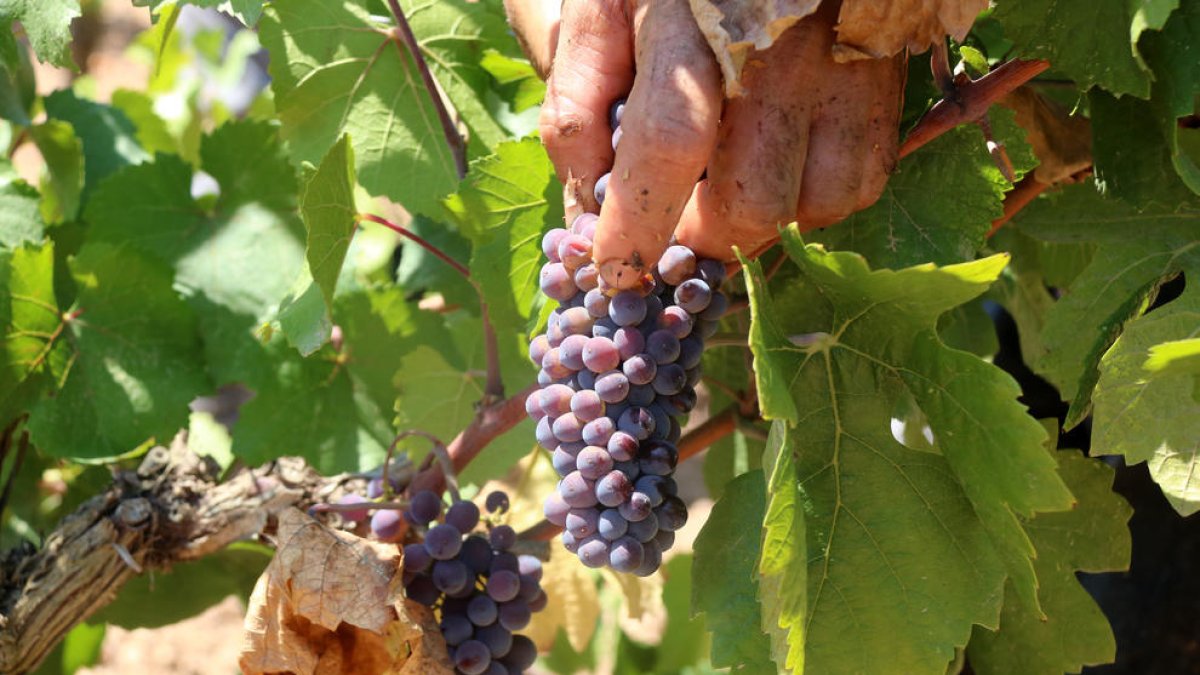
(481, 592)
(617, 370)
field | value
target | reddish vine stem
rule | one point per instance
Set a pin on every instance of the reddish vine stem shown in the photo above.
(1018, 198)
(971, 100)
(494, 386)
(457, 147)
(693, 442)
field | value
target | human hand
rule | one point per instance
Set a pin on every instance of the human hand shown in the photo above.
(812, 140)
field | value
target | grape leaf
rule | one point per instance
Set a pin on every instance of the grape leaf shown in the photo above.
(844, 345)
(1093, 44)
(420, 270)
(108, 137)
(63, 154)
(47, 23)
(1174, 357)
(247, 11)
(724, 587)
(17, 86)
(1092, 537)
(1148, 416)
(940, 203)
(969, 328)
(336, 70)
(136, 361)
(1116, 286)
(516, 78)
(20, 218)
(504, 205)
(30, 320)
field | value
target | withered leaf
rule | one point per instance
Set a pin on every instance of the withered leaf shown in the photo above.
(735, 27)
(874, 29)
(1061, 141)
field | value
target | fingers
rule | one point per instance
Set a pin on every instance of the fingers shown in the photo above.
(593, 67)
(669, 130)
(535, 23)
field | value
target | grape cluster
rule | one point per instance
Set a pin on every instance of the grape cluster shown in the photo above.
(480, 591)
(617, 370)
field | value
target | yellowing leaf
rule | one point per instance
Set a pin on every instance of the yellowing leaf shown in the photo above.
(574, 604)
(872, 29)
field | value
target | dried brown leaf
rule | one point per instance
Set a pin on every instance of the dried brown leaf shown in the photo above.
(1061, 141)
(875, 29)
(735, 27)
(644, 615)
(329, 603)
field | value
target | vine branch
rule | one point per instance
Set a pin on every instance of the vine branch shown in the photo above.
(455, 140)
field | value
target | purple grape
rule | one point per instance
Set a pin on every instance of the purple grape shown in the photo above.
(569, 542)
(616, 138)
(652, 486)
(555, 509)
(662, 346)
(693, 295)
(587, 277)
(594, 463)
(683, 402)
(563, 462)
(575, 321)
(416, 558)
(502, 537)
(601, 189)
(615, 112)
(612, 387)
(543, 378)
(593, 551)
(675, 433)
(596, 303)
(539, 603)
(629, 341)
(640, 369)
(600, 355)
(529, 566)
(375, 488)
(450, 576)
(622, 446)
(503, 585)
(515, 615)
(641, 395)
(637, 422)
(497, 502)
(584, 223)
(522, 654)
(711, 271)
(587, 406)
(625, 554)
(443, 541)
(472, 657)
(357, 515)
(611, 525)
(456, 628)
(599, 431)
(575, 251)
(586, 379)
(691, 348)
(544, 433)
(482, 610)
(676, 321)
(385, 524)
(676, 264)
(550, 242)
(665, 539)
(644, 530)
(422, 590)
(557, 282)
(577, 490)
(630, 469)
(716, 308)
(651, 560)
(613, 489)
(532, 409)
(529, 588)
(627, 308)
(637, 508)
(658, 458)
(552, 364)
(604, 328)
(498, 640)
(425, 507)
(707, 329)
(504, 560)
(568, 427)
(476, 554)
(582, 523)
(463, 515)
(670, 379)
(672, 514)
(570, 351)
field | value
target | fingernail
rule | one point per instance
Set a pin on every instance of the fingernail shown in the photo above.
(621, 274)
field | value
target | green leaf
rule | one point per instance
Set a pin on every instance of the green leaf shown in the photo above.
(328, 210)
(247, 11)
(1133, 161)
(30, 321)
(150, 601)
(1094, 44)
(420, 270)
(135, 363)
(517, 79)
(1174, 357)
(152, 131)
(724, 584)
(1092, 537)
(108, 137)
(1153, 417)
(1117, 285)
(304, 315)
(47, 23)
(336, 70)
(63, 154)
(836, 349)
(969, 328)
(940, 203)
(504, 205)
(783, 558)
(20, 218)
(1172, 54)
(17, 86)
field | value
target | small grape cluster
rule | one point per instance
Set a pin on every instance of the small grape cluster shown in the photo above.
(480, 591)
(617, 369)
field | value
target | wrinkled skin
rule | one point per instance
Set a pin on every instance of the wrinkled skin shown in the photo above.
(812, 140)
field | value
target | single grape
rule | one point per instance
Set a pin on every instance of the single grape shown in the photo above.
(594, 462)
(711, 271)
(529, 588)
(644, 530)
(585, 379)
(596, 303)
(563, 461)
(515, 615)
(502, 537)
(630, 469)
(651, 560)
(506, 561)
(616, 138)
(676, 264)
(583, 223)
(575, 251)
(587, 406)
(665, 539)
(593, 551)
(557, 282)
(422, 590)
(582, 523)
(615, 112)
(707, 329)
(539, 603)
(550, 242)
(425, 506)
(652, 486)
(450, 576)
(575, 321)
(498, 640)
(529, 566)
(357, 515)
(692, 295)
(385, 524)
(570, 352)
(569, 542)
(611, 525)
(601, 189)
(600, 355)
(456, 628)
(472, 657)
(662, 346)
(554, 333)
(716, 308)
(605, 327)
(683, 402)
(672, 514)
(627, 308)
(629, 341)
(522, 654)
(481, 610)
(587, 277)
(625, 554)
(463, 515)
(599, 431)
(658, 458)
(622, 446)
(497, 502)
(443, 541)
(503, 585)
(375, 488)
(416, 558)
(675, 433)
(612, 387)
(544, 378)
(476, 554)
(641, 395)
(544, 433)
(531, 406)
(691, 348)
(577, 491)
(568, 427)
(552, 363)
(670, 379)
(676, 321)
(637, 508)
(555, 509)
(640, 369)
(637, 422)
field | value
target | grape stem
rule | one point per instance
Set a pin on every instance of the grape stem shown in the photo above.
(455, 140)
(969, 99)
(493, 389)
(364, 506)
(7, 440)
(439, 453)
